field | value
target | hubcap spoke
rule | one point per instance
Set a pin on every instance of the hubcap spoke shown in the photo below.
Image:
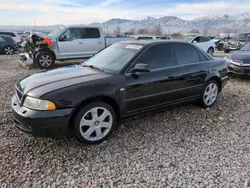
(98, 133)
(106, 124)
(88, 132)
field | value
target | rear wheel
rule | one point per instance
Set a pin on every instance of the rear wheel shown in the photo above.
(220, 47)
(210, 50)
(8, 50)
(44, 60)
(94, 123)
(209, 94)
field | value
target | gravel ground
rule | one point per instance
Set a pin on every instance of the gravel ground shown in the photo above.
(181, 147)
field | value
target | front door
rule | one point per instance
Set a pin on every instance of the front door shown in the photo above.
(154, 88)
(71, 43)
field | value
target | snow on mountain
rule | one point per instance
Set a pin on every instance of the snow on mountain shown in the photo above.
(172, 23)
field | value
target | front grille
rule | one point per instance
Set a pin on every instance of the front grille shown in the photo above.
(19, 94)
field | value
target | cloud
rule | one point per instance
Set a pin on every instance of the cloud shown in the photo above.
(109, 2)
(83, 12)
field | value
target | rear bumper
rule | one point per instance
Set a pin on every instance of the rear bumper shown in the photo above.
(239, 70)
(41, 123)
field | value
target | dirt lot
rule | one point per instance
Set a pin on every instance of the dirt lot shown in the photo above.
(181, 147)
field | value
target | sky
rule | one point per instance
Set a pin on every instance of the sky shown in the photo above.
(50, 12)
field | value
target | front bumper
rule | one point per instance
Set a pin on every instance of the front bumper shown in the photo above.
(239, 70)
(41, 123)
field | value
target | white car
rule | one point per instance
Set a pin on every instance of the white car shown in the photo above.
(203, 42)
(13, 35)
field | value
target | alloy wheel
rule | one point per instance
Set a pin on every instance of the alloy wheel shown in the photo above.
(45, 60)
(96, 124)
(8, 50)
(210, 94)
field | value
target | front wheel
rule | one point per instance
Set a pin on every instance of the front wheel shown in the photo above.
(94, 123)
(209, 94)
(8, 50)
(44, 60)
(210, 50)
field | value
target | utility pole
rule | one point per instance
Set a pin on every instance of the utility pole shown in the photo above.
(35, 25)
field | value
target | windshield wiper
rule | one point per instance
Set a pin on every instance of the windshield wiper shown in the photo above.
(93, 67)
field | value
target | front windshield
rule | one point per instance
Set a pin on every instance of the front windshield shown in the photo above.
(246, 47)
(113, 58)
(55, 33)
(188, 38)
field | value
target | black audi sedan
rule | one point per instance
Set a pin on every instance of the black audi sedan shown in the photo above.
(239, 61)
(124, 79)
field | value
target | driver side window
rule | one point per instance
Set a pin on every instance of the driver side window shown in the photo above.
(71, 34)
(157, 56)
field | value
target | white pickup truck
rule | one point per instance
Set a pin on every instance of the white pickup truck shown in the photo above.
(66, 43)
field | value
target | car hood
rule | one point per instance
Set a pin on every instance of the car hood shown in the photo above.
(243, 56)
(48, 81)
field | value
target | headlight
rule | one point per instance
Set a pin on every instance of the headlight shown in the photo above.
(227, 59)
(38, 104)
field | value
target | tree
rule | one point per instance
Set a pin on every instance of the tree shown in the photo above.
(205, 32)
(130, 32)
(117, 31)
(194, 31)
(177, 35)
(157, 30)
(143, 31)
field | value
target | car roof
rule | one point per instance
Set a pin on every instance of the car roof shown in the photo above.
(9, 31)
(150, 42)
(5, 36)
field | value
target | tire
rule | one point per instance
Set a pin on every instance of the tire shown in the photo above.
(89, 123)
(209, 94)
(220, 47)
(226, 50)
(210, 50)
(8, 50)
(44, 60)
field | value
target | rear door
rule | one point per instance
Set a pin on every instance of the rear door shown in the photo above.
(154, 88)
(2, 43)
(92, 41)
(70, 43)
(192, 70)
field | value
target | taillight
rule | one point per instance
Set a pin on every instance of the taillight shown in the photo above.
(47, 41)
(14, 42)
(227, 69)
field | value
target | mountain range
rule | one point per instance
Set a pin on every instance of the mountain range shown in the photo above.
(169, 24)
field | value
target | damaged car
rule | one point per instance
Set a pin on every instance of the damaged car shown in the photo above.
(65, 43)
(237, 42)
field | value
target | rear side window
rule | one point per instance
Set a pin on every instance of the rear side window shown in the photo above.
(202, 56)
(2, 39)
(158, 56)
(91, 33)
(204, 39)
(186, 54)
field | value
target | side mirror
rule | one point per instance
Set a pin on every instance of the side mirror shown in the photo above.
(63, 38)
(140, 67)
(194, 42)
